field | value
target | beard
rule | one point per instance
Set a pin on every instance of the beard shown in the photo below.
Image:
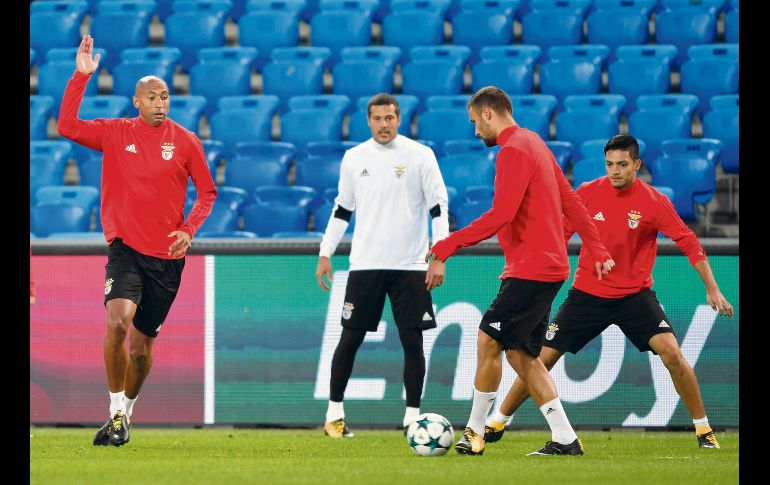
(490, 142)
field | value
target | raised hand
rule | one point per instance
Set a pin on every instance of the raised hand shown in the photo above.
(84, 62)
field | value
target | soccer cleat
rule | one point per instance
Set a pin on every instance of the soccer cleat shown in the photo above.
(494, 432)
(119, 434)
(470, 444)
(554, 448)
(707, 440)
(337, 429)
(102, 437)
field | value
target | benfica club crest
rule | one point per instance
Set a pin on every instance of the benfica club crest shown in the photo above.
(633, 219)
(168, 151)
(551, 333)
(347, 310)
(400, 169)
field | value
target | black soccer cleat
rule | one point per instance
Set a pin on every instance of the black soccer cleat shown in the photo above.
(470, 444)
(554, 448)
(707, 440)
(119, 434)
(102, 437)
(494, 432)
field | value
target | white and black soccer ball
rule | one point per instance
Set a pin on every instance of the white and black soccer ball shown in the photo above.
(430, 434)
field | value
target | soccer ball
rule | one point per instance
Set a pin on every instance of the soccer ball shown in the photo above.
(430, 435)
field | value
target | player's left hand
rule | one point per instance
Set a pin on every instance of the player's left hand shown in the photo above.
(435, 275)
(604, 268)
(179, 248)
(719, 303)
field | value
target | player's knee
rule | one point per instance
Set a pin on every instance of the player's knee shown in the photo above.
(140, 357)
(116, 330)
(488, 346)
(672, 357)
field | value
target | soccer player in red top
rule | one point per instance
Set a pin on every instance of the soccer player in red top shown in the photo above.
(146, 164)
(531, 194)
(629, 214)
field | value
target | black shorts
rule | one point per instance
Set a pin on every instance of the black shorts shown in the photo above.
(582, 317)
(409, 298)
(152, 283)
(518, 316)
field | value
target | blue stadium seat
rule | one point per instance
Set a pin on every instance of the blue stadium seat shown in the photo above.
(234, 198)
(194, 25)
(271, 24)
(414, 22)
(57, 71)
(267, 219)
(52, 218)
(298, 235)
(222, 218)
(166, 55)
(714, 7)
(711, 70)
(295, 195)
(667, 191)
(661, 118)
(483, 23)
(90, 171)
(226, 235)
(562, 152)
(470, 147)
(359, 78)
(647, 6)
(441, 125)
(526, 54)
(732, 27)
(706, 148)
(589, 117)
(693, 178)
(480, 193)
(250, 172)
(534, 112)
(560, 23)
(319, 172)
(40, 108)
(387, 55)
(323, 113)
(31, 58)
(43, 171)
(163, 11)
(294, 71)
(587, 169)
(187, 111)
(84, 197)
(641, 70)
(55, 24)
(468, 211)
(323, 148)
(683, 27)
(77, 235)
(222, 71)
(722, 123)
(438, 150)
(595, 148)
(243, 118)
(275, 151)
(214, 151)
(627, 24)
(435, 70)
(122, 24)
(321, 217)
(512, 75)
(458, 102)
(462, 171)
(358, 127)
(573, 70)
(342, 23)
(56, 150)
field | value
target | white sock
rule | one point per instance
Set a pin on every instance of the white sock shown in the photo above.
(561, 430)
(704, 421)
(410, 415)
(334, 411)
(129, 405)
(116, 402)
(500, 417)
(482, 402)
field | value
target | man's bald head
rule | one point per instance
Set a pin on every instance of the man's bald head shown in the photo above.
(150, 83)
(151, 99)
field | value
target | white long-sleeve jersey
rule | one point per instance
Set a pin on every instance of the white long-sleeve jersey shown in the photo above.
(395, 189)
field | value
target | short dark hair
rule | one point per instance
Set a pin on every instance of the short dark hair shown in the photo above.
(382, 99)
(626, 143)
(493, 98)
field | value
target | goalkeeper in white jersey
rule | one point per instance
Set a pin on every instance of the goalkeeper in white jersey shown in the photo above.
(395, 187)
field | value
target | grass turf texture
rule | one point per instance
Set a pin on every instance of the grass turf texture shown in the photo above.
(225, 455)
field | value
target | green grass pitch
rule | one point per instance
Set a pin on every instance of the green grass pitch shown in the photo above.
(226, 455)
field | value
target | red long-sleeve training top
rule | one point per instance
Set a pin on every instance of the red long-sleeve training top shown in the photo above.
(144, 174)
(531, 194)
(628, 221)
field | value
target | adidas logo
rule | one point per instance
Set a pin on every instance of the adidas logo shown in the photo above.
(663, 324)
(364, 173)
(549, 411)
(131, 148)
(599, 216)
(495, 325)
(427, 317)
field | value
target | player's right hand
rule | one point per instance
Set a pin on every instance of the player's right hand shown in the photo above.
(604, 268)
(84, 62)
(324, 268)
